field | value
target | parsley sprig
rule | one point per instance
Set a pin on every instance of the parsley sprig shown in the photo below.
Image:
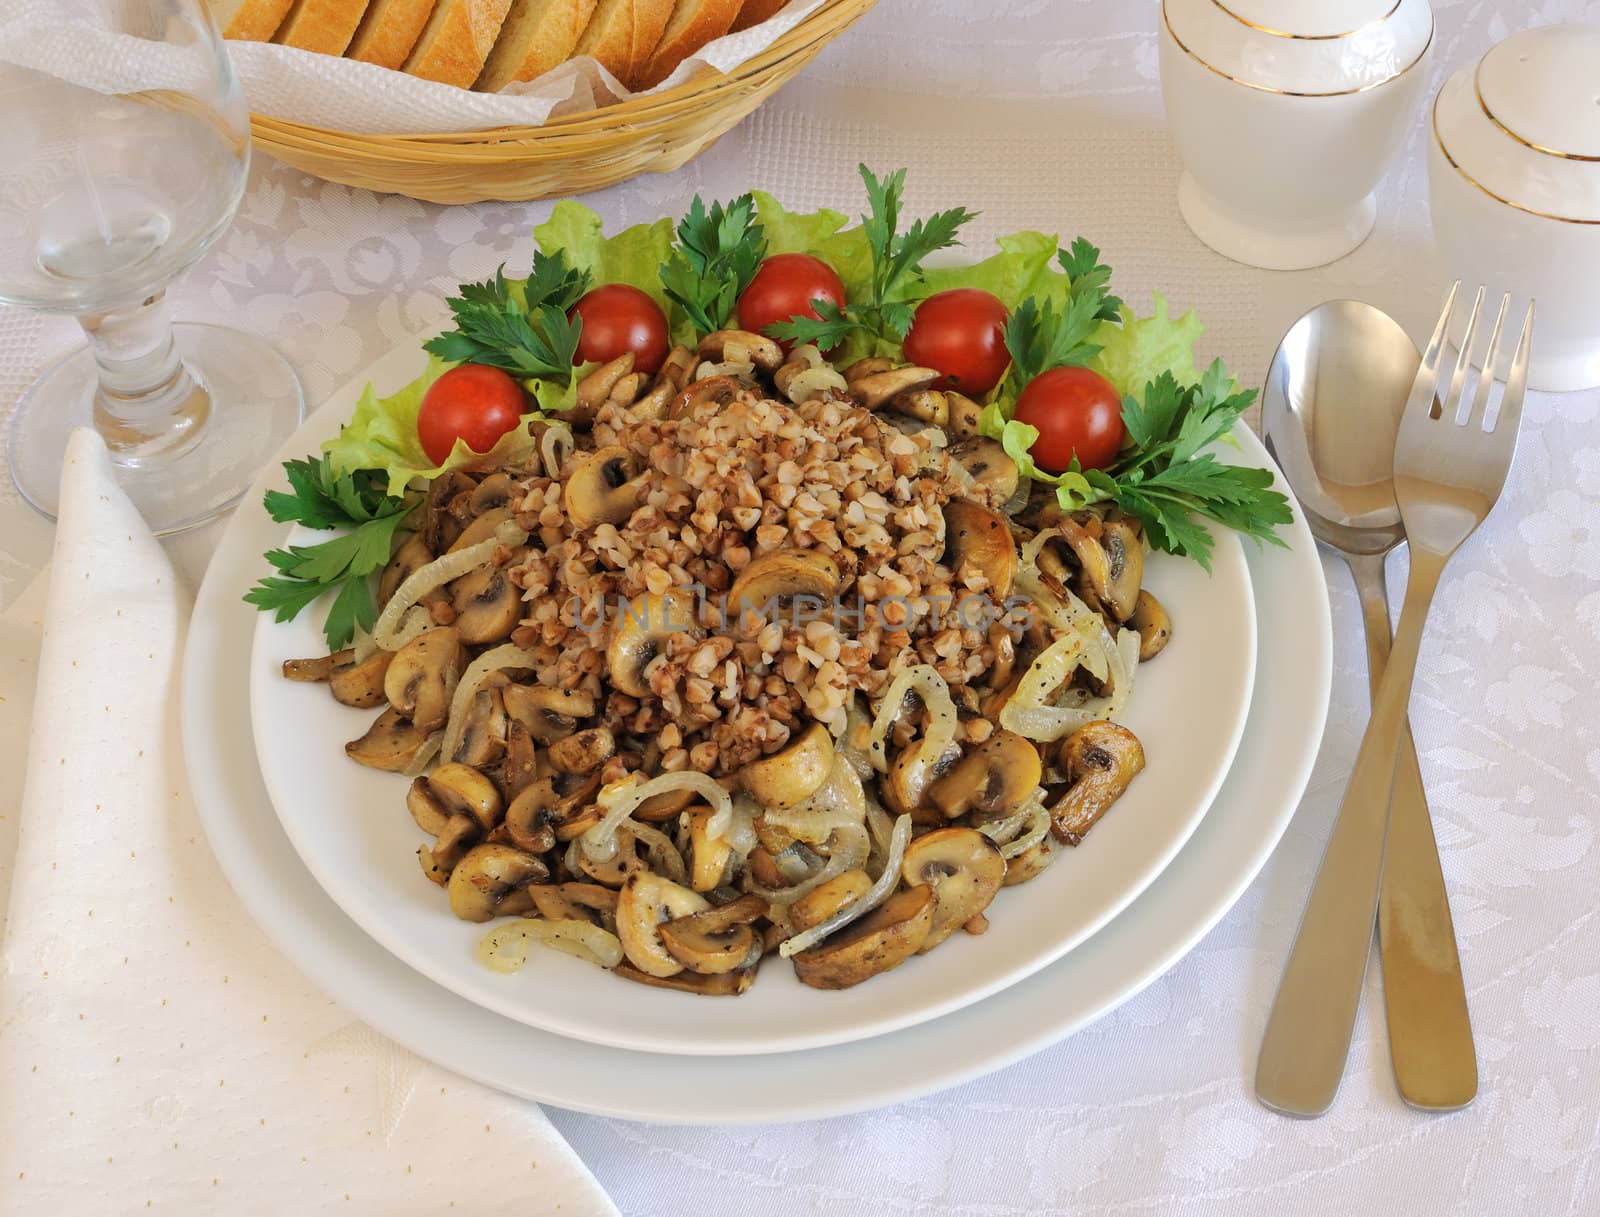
(524, 332)
(322, 499)
(718, 252)
(897, 259)
(1041, 337)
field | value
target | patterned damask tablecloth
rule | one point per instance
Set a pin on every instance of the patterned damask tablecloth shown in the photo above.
(1046, 113)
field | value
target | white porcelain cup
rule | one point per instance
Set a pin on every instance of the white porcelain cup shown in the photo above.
(1514, 177)
(1287, 113)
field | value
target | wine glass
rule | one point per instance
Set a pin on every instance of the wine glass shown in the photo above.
(124, 147)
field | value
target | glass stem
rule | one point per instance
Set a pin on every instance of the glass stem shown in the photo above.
(148, 407)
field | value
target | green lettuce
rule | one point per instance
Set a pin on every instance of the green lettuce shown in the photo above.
(382, 435)
(1135, 352)
(634, 256)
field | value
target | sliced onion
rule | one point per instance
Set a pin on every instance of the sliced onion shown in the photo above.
(848, 848)
(856, 742)
(556, 436)
(839, 802)
(935, 694)
(739, 369)
(1038, 829)
(505, 948)
(620, 799)
(424, 756)
(386, 632)
(741, 837)
(1004, 830)
(810, 354)
(506, 655)
(880, 826)
(814, 382)
(876, 895)
(664, 857)
(798, 863)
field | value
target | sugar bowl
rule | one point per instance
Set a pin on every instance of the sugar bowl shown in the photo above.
(1287, 114)
(1514, 179)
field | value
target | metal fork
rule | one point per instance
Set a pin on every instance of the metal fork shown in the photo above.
(1448, 473)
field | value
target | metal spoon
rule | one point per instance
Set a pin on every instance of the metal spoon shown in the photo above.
(1330, 413)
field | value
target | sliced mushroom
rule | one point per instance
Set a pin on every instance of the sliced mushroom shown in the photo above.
(315, 671)
(482, 528)
(927, 405)
(975, 534)
(487, 605)
(529, 818)
(820, 903)
(576, 811)
(679, 366)
(1124, 546)
(877, 389)
(423, 675)
(391, 743)
(646, 625)
(496, 490)
(871, 366)
(627, 390)
(914, 771)
(729, 984)
(459, 834)
(964, 414)
(1030, 863)
(965, 870)
(1154, 626)
(576, 902)
(742, 346)
(708, 943)
(361, 684)
(708, 855)
(659, 808)
(483, 880)
(595, 389)
(648, 900)
(988, 465)
(462, 790)
(483, 730)
(429, 814)
(991, 781)
(599, 490)
(795, 773)
(1099, 759)
(519, 768)
(411, 557)
(584, 752)
(653, 405)
(713, 391)
(547, 714)
(782, 575)
(885, 938)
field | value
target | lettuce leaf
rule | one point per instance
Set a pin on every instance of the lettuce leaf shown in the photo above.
(1025, 266)
(382, 434)
(1135, 352)
(634, 256)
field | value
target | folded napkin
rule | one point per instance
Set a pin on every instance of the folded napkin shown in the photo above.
(158, 1054)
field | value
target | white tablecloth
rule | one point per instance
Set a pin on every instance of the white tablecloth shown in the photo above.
(1046, 113)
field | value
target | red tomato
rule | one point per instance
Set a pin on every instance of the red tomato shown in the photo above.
(1078, 413)
(961, 333)
(473, 403)
(788, 285)
(618, 318)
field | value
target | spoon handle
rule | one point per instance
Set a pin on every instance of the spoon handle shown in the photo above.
(1430, 1030)
(1307, 1040)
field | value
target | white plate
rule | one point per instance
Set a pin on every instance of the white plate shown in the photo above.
(352, 830)
(1250, 813)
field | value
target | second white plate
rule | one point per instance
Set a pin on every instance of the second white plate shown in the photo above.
(351, 828)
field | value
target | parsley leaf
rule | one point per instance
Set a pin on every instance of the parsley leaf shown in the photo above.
(526, 333)
(323, 500)
(1039, 338)
(897, 259)
(719, 251)
(1088, 276)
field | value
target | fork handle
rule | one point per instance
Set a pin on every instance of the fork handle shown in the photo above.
(1425, 999)
(1308, 1033)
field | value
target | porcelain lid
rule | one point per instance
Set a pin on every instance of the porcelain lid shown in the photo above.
(1542, 87)
(1308, 48)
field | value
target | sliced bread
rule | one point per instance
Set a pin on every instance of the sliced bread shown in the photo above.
(389, 31)
(249, 20)
(609, 36)
(321, 25)
(650, 19)
(537, 36)
(755, 12)
(457, 40)
(693, 24)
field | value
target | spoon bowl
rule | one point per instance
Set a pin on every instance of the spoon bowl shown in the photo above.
(1329, 413)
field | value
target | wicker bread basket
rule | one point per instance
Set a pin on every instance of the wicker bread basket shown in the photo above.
(653, 134)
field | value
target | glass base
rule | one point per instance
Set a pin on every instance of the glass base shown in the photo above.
(256, 404)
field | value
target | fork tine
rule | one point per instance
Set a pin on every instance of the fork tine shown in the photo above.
(1426, 385)
(1492, 358)
(1452, 400)
(1510, 414)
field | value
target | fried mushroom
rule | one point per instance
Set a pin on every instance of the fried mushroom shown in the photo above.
(793, 774)
(482, 883)
(975, 534)
(882, 940)
(963, 868)
(1099, 759)
(422, 677)
(646, 625)
(991, 781)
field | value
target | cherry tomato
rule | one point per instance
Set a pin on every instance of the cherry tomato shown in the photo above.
(473, 403)
(1078, 413)
(788, 285)
(961, 333)
(618, 318)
